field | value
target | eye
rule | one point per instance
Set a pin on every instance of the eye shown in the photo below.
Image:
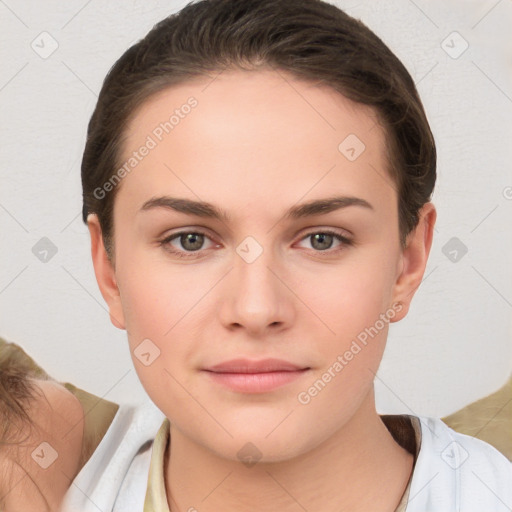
(185, 243)
(322, 241)
(189, 244)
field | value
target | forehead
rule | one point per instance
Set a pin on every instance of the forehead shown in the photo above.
(257, 132)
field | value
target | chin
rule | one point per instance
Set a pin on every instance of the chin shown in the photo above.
(259, 443)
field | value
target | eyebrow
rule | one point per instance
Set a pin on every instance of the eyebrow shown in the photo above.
(208, 210)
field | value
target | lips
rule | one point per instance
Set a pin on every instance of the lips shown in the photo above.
(248, 366)
(246, 376)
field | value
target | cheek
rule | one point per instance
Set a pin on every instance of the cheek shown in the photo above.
(355, 318)
(154, 294)
(162, 308)
(352, 305)
(349, 298)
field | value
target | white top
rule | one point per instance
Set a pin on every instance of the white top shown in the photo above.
(453, 472)
(114, 479)
(458, 473)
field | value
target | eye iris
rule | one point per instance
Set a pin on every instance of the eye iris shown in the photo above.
(190, 242)
(321, 237)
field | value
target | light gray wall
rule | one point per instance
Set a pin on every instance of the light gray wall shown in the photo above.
(455, 344)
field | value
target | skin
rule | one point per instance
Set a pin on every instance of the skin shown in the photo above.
(257, 144)
(57, 419)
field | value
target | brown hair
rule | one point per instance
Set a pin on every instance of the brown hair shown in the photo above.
(311, 39)
(18, 375)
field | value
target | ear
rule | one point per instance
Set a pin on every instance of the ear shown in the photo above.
(105, 273)
(413, 260)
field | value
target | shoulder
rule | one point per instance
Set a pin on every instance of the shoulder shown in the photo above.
(123, 447)
(489, 419)
(457, 472)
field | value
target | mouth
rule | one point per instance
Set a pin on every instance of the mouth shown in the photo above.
(246, 376)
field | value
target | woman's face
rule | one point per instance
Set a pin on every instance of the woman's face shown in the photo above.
(270, 278)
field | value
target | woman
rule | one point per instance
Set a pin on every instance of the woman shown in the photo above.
(257, 181)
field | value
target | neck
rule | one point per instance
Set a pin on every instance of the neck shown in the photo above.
(359, 468)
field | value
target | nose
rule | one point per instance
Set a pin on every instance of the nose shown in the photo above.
(257, 297)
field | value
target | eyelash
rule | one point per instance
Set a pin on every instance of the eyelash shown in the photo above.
(192, 254)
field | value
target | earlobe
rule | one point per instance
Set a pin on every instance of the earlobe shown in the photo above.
(414, 260)
(105, 273)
